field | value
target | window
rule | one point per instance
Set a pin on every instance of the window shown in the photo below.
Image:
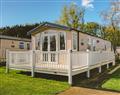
(74, 42)
(37, 45)
(52, 43)
(37, 42)
(45, 43)
(94, 48)
(62, 41)
(21, 45)
(90, 40)
(94, 44)
(28, 46)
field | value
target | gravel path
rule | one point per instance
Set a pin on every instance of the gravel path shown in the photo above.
(86, 91)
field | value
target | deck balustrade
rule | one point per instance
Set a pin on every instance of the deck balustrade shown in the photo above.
(67, 63)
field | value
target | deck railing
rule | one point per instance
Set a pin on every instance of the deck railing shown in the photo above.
(67, 61)
(63, 61)
(19, 59)
(50, 60)
(57, 60)
(79, 59)
(40, 59)
(100, 57)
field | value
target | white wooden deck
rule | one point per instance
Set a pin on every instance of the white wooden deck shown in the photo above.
(65, 63)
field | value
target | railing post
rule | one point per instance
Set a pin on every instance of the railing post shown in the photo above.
(32, 63)
(88, 61)
(113, 63)
(107, 65)
(7, 61)
(88, 73)
(69, 60)
(101, 59)
(100, 69)
(57, 57)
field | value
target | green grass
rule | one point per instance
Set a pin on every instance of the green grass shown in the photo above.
(19, 84)
(113, 83)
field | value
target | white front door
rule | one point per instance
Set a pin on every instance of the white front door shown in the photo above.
(49, 48)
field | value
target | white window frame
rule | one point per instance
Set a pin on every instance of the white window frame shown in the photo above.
(48, 34)
(65, 36)
(21, 43)
(37, 39)
(74, 33)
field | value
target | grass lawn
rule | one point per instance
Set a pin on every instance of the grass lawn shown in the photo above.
(113, 83)
(19, 84)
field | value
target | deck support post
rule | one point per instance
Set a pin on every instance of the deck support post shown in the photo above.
(69, 67)
(88, 74)
(32, 63)
(108, 66)
(113, 63)
(7, 61)
(100, 69)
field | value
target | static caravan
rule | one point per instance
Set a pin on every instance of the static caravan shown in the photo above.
(12, 43)
(53, 37)
(62, 50)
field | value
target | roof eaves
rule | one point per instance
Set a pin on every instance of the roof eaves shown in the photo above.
(13, 38)
(61, 27)
(51, 25)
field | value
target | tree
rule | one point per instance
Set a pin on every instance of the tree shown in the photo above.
(112, 20)
(17, 30)
(92, 28)
(72, 16)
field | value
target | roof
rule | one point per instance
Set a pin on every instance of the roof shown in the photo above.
(14, 38)
(58, 26)
(52, 25)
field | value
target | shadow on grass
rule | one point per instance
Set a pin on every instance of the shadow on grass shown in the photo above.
(94, 82)
(47, 76)
(2, 64)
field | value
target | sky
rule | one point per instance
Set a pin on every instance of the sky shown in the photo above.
(14, 12)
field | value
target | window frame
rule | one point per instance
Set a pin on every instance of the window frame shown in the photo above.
(38, 40)
(28, 46)
(74, 33)
(23, 44)
(65, 36)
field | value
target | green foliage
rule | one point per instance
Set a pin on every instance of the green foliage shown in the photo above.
(114, 82)
(15, 83)
(92, 28)
(17, 30)
(112, 35)
(111, 18)
(71, 16)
